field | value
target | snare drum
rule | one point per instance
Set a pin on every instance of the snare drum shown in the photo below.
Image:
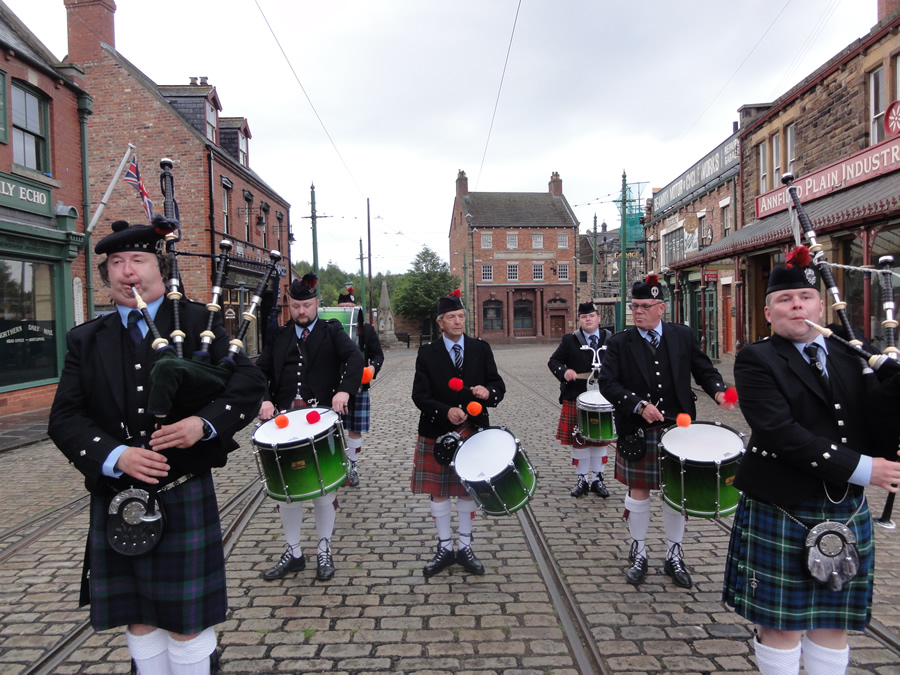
(595, 418)
(495, 471)
(301, 460)
(697, 468)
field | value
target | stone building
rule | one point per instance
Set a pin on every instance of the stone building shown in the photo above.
(515, 252)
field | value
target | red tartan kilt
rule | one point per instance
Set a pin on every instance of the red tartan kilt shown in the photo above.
(565, 430)
(431, 478)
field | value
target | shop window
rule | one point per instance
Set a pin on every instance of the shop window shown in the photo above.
(28, 327)
(29, 122)
(492, 315)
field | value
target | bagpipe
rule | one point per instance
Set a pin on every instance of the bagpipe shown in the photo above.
(887, 361)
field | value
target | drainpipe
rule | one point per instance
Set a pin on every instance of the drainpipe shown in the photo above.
(85, 109)
(212, 209)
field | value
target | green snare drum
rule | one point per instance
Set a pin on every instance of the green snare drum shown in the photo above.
(351, 318)
(301, 460)
(495, 471)
(697, 468)
(596, 423)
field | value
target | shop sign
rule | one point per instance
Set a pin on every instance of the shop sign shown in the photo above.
(710, 275)
(870, 163)
(704, 172)
(22, 195)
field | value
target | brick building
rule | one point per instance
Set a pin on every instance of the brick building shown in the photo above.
(218, 193)
(515, 252)
(43, 137)
(830, 131)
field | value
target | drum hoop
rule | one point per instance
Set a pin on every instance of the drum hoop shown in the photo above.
(296, 442)
(723, 460)
(517, 445)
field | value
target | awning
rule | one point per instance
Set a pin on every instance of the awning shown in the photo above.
(874, 200)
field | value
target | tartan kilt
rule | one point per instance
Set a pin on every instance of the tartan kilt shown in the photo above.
(179, 586)
(431, 478)
(768, 548)
(644, 473)
(565, 430)
(357, 419)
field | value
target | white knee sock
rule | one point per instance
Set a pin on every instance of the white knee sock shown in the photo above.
(638, 521)
(325, 515)
(150, 652)
(292, 522)
(673, 522)
(599, 455)
(581, 460)
(191, 657)
(819, 660)
(353, 446)
(465, 512)
(777, 661)
(440, 511)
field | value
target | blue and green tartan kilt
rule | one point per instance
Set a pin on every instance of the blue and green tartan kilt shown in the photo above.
(179, 586)
(766, 579)
(357, 419)
(644, 473)
(431, 478)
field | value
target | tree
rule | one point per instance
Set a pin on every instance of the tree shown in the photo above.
(417, 292)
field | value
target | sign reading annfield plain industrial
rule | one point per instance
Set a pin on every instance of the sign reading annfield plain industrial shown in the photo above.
(865, 165)
(702, 173)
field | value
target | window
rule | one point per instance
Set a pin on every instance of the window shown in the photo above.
(226, 206)
(29, 330)
(523, 317)
(563, 271)
(562, 240)
(537, 241)
(211, 122)
(512, 272)
(29, 115)
(791, 141)
(242, 149)
(877, 105)
(487, 240)
(582, 277)
(776, 159)
(512, 240)
(248, 207)
(492, 315)
(763, 168)
(726, 220)
(487, 272)
(673, 246)
(537, 271)
(264, 214)
(704, 231)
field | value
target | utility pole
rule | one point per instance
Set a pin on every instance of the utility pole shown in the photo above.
(623, 261)
(369, 227)
(313, 217)
(362, 280)
(594, 292)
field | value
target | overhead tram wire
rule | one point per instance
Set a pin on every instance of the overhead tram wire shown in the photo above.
(308, 99)
(487, 141)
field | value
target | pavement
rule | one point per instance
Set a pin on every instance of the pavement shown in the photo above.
(379, 614)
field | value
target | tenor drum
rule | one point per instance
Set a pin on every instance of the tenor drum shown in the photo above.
(697, 468)
(301, 460)
(495, 471)
(351, 318)
(595, 418)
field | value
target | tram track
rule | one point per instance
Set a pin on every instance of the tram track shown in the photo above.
(54, 518)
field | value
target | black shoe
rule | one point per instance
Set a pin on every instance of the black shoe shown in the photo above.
(353, 476)
(598, 488)
(286, 565)
(466, 557)
(325, 565)
(441, 561)
(638, 571)
(581, 487)
(676, 568)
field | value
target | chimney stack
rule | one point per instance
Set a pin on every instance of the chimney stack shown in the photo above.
(886, 8)
(193, 81)
(204, 81)
(89, 22)
(555, 184)
(462, 184)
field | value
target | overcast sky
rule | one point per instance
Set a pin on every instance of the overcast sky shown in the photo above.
(406, 90)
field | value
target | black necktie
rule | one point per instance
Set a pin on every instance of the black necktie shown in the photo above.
(134, 331)
(304, 334)
(653, 336)
(593, 341)
(812, 351)
(457, 357)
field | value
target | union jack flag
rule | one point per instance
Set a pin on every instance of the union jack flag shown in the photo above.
(133, 177)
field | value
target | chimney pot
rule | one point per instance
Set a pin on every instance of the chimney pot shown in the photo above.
(193, 81)
(204, 80)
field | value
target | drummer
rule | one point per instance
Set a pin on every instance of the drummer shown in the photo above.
(444, 409)
(646, 375)
(570, 360)
(303, 367)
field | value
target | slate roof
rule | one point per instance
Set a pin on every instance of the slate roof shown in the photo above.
(517, 209)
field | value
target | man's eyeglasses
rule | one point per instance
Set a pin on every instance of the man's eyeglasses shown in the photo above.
(641, 308)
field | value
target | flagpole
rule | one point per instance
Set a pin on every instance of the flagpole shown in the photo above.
(109, 190)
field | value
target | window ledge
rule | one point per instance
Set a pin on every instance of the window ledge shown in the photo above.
(36, 176)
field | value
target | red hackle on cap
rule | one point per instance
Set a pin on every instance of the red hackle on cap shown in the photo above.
(281, 421)
(652, 279)
(455, 293)
(474, 408)
(683, 420)
(731, 395)
(313, 416)
(455, 384)
(799, 257)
